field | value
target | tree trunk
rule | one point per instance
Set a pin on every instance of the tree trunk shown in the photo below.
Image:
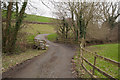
(17, 25)
(0, 30)
(8, 26)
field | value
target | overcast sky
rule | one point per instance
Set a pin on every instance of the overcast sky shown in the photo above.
(36, 7)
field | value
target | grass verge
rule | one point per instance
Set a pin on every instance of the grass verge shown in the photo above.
(107, 50)
(12, 60)
(52, 37)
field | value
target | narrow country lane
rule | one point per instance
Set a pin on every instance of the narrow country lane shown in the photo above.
(55, 63)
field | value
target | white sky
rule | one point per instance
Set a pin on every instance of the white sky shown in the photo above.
(40, 8)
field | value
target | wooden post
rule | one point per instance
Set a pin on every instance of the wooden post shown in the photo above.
(79, 57)
(79, 48)
(81, 53)
(94, 63)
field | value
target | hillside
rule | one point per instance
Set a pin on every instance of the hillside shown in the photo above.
(29, 17)
(37, 18)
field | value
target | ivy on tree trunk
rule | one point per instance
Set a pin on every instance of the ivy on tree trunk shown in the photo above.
(10, 33)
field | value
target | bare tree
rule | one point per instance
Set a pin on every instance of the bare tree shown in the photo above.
(80, 14)
(110, 14)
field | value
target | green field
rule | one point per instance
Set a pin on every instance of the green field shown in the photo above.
(29, 17)
(36, 18)
(39, 28)
(35, 29)
(107, 50)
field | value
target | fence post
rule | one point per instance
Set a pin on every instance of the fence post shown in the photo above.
(94, 63)
(81, 53)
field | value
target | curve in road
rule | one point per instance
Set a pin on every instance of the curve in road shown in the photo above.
(55, 63)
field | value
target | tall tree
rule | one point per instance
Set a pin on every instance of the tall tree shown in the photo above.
(11, 31)
(19, 20)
